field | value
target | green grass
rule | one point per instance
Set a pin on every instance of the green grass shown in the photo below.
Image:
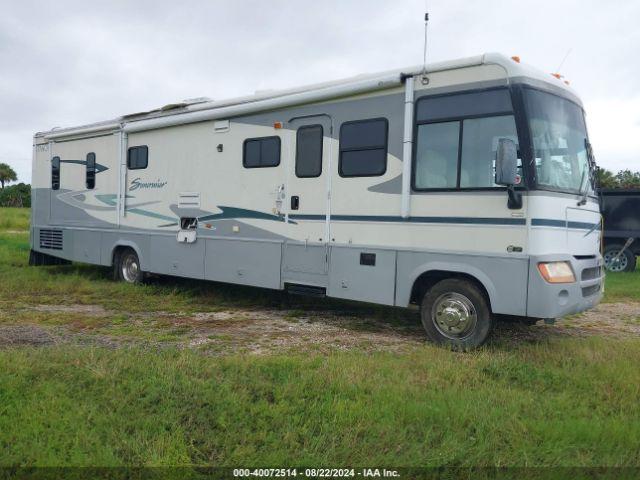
(620, 287)
(14, 218)
(560, 402)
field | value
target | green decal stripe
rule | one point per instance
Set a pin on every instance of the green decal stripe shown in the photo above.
(232, 212)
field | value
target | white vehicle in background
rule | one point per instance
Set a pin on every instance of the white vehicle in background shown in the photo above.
(467, 191)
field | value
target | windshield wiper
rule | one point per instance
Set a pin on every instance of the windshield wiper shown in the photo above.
(583, 195)
(590, 171)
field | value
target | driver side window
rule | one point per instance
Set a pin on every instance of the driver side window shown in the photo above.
(457, 138)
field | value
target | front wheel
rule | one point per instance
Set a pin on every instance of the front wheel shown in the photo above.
(455, 312)
(614, 261)
(127, 267)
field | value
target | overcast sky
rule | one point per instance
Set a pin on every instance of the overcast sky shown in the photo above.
(66, 63)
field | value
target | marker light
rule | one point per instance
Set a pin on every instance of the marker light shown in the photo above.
(277, 125)
(516, 58)
(557, 75)
(556, 272)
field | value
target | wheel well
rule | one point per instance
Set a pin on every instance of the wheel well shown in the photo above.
(428, 279)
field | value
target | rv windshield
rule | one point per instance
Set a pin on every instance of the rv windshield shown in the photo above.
(559, 138)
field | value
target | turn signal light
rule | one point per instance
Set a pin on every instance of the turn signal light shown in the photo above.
(516, 58)
(277, 125)
(556, 272)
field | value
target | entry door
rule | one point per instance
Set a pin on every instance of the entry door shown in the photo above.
(306, 251)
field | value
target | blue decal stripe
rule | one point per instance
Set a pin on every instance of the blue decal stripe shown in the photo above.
(234, 213)
(396, 219)
(584, 225)
(549, 222)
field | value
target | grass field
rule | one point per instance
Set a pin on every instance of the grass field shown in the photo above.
(14, 219)
(178, 372)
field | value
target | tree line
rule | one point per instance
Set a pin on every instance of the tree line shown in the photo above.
(18, 195)
(622, 179)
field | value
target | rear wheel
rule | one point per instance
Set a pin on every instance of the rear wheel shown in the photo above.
(614, 261)
(127, 267)
(455, 312)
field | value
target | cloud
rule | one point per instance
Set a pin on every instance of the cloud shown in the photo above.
(614, 130)
(72, 62)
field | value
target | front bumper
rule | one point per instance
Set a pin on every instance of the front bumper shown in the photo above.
(548, 300)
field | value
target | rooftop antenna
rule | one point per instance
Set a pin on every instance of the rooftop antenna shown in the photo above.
(563, 60)
(425, 79)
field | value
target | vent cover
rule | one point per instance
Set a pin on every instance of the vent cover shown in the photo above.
(51, 239)
(189, 200)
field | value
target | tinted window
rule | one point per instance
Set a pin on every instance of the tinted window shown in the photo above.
(479, 144)
(363, 148)
(309, 151)
(437, 155)
(261, 152)
(441, 163)
(488, 102)
(91, 171)
(55, 173)
(138, 157)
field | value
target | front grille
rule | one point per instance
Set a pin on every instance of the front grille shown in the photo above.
(591, 273)
(51, 239)
(591, 290)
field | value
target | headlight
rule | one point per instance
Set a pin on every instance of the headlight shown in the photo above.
(557, 272)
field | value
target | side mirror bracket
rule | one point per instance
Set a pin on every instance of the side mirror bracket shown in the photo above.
(515, 198)
(507, 171)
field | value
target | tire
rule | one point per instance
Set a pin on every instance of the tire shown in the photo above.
(127, 267)
(624, 263)
(468, 322)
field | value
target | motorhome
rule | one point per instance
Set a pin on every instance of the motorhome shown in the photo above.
(464, 188)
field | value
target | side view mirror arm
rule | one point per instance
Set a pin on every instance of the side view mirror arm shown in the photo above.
(515, 198)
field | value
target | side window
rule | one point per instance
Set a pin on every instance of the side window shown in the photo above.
(460, 154)
(55, 173)
(137, 157)
(363, 148)
(261, 152)
(91, 171)
(309, 151)
(457, 138)
(479, 145)
(437, 155)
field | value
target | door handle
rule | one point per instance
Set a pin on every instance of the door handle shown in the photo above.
(295, 202)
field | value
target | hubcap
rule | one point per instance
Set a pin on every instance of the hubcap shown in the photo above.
(130, 268)
(614, 264)
(454, 315)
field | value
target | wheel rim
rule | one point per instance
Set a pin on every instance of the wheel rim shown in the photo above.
(614, 264)
(454, 315)
(130, 268)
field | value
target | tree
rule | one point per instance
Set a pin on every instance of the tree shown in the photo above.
(628, 179)
(18, 195)
(7, 174)
(606, 178)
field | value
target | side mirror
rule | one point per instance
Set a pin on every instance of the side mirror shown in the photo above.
(506, 162)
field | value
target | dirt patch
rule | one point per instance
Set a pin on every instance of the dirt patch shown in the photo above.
(15, 335)
(88, 310)
(618, 320)
(607, 319)
(263, 331)
(277, 331)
